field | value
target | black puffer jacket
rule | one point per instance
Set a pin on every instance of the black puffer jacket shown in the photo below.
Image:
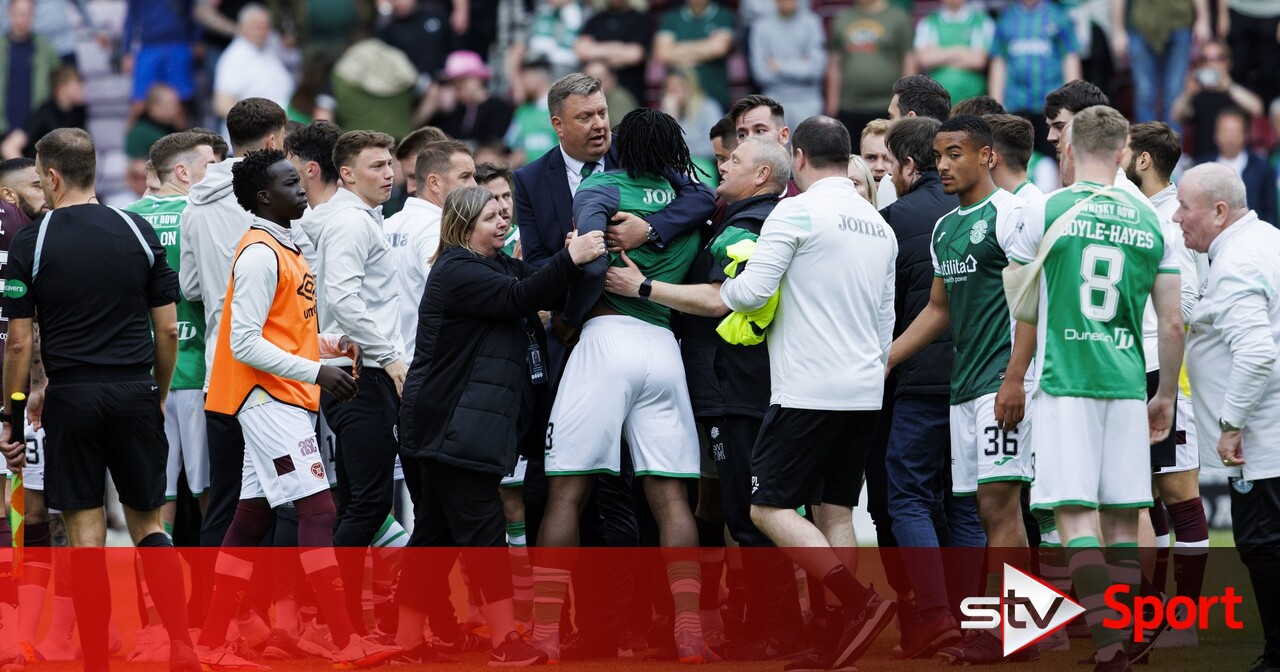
(465, 390)
(912, 218)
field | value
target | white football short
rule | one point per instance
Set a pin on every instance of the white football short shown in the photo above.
(981, 453)
(513, 480)
(188, 442)
(1090, 452)
(33, 473)
(1188, 454)
(282, 459)
(624, 379)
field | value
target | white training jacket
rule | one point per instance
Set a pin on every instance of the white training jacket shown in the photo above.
(414, 235)
(832, 255)
(357, 291)
(212, 226)
(1233, 346)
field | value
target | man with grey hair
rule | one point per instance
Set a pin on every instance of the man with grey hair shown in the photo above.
(251, 66)
(1235, 329)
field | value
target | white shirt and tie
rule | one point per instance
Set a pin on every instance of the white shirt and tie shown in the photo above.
(577, 171)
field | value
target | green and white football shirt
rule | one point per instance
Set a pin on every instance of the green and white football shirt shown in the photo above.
(164, 213)
(1093, 290)
(968, 249)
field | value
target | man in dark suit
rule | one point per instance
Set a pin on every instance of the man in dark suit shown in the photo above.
(1231, 137)
(543, 194)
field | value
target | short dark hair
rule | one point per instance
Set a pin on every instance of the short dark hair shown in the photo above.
(974, 127)
(1160, 141)
(11, 166)
(64, 74)
(923, 95)
(979, 105)
(912, 138)
(166, 152)
(350, 144)
(1014, 139)
(315, 142)
(488, 172)
(435, 158)
(252, 174)
(70, 152)
(253, 119)
(748, 103)
(412, 144)
(1233, 111)
(824, 141)
(1073, 97)
(219, 145)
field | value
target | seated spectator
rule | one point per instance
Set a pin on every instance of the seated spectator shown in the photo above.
(66, 109)
(162, 114)
(251, 67)
(373, 88)
(788, 59)
(684, 99)
(869, 45)
(157, 38)
(312, 100)
(618, 98)
(1034, 52)
(1252, 28)
(1231, 144)
(421, 31)
(1209, 89)
(620, 37)
(1157, 39)
(698, 35)
(27, 63)
(551, 35)
(952, 45)
(531, 134)
(463, 107)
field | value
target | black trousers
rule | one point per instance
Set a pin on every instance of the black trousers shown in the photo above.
(365, 431)
(1255, 519)
(226, 465)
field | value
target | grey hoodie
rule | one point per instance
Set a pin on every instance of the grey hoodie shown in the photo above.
(212, 226)
(357, 291)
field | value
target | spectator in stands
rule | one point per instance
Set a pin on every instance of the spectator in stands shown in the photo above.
(531, 134)
(684, 99)
(373, 88)
(1034, 52)
(617, 96)
(619, 37)
(1252, 28)
(788, 59)
(551, 35)
(698, 35)
(251, 67)
(1156, 37)
(162, 114)
(53, 22)
(1275, 152)
(952, 45)
(66, 109)
(27, 62)
(421, 31)
(870, 44)
(463, 108)
(157, 39)
(1209, 89)
(1231, 142)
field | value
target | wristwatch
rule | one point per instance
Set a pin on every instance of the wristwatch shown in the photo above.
(652, 235)
(1226, 427)
(646, 288)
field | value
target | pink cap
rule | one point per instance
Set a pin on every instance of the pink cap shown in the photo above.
(465, 64)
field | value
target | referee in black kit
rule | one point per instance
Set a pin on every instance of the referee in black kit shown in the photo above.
(98, 279)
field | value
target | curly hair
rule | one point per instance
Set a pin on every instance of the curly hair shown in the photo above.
(651, 142)
(252, 174)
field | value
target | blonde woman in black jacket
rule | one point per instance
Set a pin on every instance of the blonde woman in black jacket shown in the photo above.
(474, 355)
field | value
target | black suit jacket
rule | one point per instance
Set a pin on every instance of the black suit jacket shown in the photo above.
(544, 206)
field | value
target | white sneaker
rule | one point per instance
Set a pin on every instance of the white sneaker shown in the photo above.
(114, 641)
(1179, 639)
(316, 640)
(361, 653)
(224, 659)
(59, 648)
(253, 630)
(152, 646)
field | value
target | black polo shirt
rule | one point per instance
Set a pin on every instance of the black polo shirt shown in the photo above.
(93, 289)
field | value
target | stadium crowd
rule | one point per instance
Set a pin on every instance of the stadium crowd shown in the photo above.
(683, 277)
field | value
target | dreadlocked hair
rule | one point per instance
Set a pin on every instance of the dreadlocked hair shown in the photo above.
(252, 174)
(651, 142)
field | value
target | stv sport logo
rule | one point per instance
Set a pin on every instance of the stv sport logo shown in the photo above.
(1029, 611)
